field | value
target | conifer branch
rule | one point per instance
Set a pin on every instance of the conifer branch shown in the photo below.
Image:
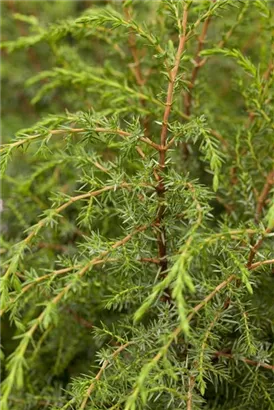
(248, 361)
(132, 45)
(174, 335)
(122, 133)
(43, 222)
(27, 337)
(261, 263)
(161, 235)
(50, 275)
(189, 393)
(35, 281)
(264, 194)
(58, 272)
(255, 247)
(101, 371)
(189, 255)
(30, 138)
(229, 33)
(197, 61)
(218, 288)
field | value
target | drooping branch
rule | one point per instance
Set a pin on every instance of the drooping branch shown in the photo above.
(28, 335)
(62, 271)
(43, 222)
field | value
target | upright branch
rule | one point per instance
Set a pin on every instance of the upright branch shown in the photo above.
(197, 65)
(189, 393)
(161, 236)
(136, 67)
(132, 46)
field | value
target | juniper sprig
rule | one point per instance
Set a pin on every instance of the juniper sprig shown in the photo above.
(138, 209)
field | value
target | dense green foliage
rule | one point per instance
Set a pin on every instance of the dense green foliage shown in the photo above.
(138, 208)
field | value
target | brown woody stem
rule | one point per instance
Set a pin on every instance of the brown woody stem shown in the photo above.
(161, 235)
(197, 60)
(264, 194)
(248, 361)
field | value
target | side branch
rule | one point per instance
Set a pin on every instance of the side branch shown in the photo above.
(65, 270)
(99, 374)
(43, 222)
(264, 194)
(122, 133)
(248, 361)
(27, 337)
(261, 263)
(255, 248)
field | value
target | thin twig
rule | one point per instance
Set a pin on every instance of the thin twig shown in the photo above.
(132, 46)
(228, 34)
(61, 272)
(173, 75)
(197, 60)
(248, 361)
(261, 263)
(82, 321)
(264, 194)
(49, 275)
(210, 296)
(122, 133)
(256, 247)
(211, 131)
(101, 371)
(151, 260)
